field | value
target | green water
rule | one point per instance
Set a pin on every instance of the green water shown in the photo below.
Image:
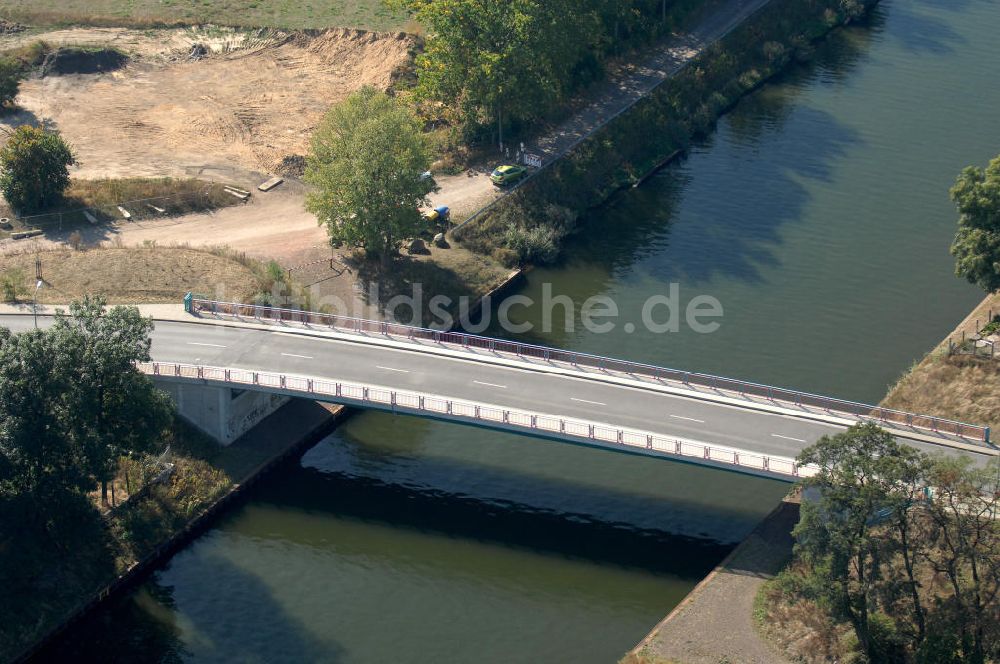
(817, 215)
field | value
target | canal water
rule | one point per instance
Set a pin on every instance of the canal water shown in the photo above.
(817, 215)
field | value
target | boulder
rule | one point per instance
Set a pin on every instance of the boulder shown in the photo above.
(417, 246)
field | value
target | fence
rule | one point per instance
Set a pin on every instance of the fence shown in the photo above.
(979, 344)
(747, 390)
(974, 346)
(485, 414)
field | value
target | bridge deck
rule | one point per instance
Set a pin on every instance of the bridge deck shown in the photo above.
(584, 397)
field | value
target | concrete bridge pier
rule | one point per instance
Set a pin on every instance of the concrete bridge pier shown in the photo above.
(224, 413)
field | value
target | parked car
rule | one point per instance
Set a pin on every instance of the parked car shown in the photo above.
(508, 174)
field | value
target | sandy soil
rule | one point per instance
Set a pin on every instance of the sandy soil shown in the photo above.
(252, 101)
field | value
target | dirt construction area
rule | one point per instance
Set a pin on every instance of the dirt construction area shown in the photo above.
(231, 105)
(196, 97)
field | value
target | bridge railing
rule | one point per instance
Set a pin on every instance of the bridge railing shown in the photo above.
(745, 389)
(488, 414)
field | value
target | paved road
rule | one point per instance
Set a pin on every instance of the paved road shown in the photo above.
(510, 387)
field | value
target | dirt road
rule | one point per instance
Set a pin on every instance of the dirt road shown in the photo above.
(255, 100)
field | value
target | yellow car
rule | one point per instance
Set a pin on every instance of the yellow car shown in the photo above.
(508, 174)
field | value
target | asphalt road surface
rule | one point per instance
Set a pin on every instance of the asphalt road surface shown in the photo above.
(586, 397)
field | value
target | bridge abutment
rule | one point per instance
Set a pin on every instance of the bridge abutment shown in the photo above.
(224, 413)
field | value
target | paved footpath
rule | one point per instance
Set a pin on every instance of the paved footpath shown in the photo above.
(715, 622)
(617, 93)
(610, 98)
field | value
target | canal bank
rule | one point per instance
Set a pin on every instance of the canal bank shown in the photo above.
(531, 223)
(817, 221)
(715, 621)
(287, 432)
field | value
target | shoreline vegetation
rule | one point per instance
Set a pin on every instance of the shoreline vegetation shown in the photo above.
(958, 387)
(529, 226)
(136, 535)
(526, 228)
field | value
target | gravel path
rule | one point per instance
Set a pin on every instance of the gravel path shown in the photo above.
(715, 622)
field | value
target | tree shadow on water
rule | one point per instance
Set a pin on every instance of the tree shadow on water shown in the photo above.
(920, 33)
(719, 211)
(231, 615)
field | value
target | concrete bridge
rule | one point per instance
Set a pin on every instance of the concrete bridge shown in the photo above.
(228, 366)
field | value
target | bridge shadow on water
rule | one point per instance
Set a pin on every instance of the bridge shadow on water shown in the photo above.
(499, 522)
(174, 616)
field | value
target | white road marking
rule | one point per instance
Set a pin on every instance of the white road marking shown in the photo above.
(195, 343)
(797, 440)
(596, 403)
(304, 357)
(479, 382)
(690, 419)
(391, 369)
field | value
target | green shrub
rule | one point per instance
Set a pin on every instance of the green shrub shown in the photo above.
(34, 168)
(10, 80)
(532, 245)
(12, 284)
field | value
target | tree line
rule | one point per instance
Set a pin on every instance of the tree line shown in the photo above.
(902, 546)
(495, 66)
(72, 404)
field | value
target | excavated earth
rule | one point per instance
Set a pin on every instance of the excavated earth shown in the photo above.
(191, 100)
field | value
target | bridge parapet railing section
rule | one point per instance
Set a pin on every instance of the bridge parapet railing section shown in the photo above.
(691, 380)
(436, 405)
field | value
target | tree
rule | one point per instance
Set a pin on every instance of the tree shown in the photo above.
(977, 243)
(499, 63)
(34, 168)
(115, 408)
(39, 464)
(903, 546)
(966, 549)
(71, 403)
(10, 80)
(865, 478)
(366, 164)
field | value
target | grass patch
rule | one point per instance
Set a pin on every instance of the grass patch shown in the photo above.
(957, 387)
(368, 14)
(796, 625)
(142, 196)
(134, 275)
(30, 55)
